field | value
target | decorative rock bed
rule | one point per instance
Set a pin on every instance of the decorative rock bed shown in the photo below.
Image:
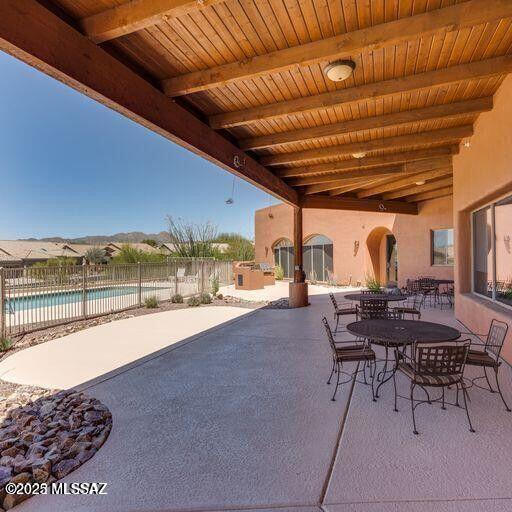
(47, 438)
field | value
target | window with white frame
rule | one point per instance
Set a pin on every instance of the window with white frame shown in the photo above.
(442, 247)
(492, 251)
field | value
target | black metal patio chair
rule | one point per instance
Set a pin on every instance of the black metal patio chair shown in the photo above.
(369, 309)
(411, 307)
(348, 351)
(489, 357)
(341, 309)
(437, 365)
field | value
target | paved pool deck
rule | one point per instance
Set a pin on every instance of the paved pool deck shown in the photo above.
(240, 418)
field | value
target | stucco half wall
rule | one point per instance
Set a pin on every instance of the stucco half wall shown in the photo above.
(482, 174)
(354, 233)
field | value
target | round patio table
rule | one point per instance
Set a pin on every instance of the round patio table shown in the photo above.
(403, 331)
(443, 281)
(392, 333)
(375, 296)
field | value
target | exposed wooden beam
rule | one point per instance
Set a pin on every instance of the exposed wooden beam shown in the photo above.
(36, 36)
(322, 187)
(354, 186)
(363, 205)
(434, 194)
(401, 141)
(418, 189)
(350, 174)
(136, 15)
(401, 172)
(367, 162)
(405, 182)
(376, 90)
(445, 111)
(439, 21)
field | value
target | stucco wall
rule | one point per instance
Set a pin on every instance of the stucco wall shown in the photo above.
(482, 173)
(350, 231)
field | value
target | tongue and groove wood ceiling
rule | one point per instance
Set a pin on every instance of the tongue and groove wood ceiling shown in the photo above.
(253, 69)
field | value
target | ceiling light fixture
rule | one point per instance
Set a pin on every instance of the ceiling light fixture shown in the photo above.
(339, 70)
(360, 154)
(421, 182)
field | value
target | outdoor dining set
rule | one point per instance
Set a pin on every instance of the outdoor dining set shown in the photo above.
(431, 356)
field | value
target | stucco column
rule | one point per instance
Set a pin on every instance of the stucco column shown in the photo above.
(298, 289)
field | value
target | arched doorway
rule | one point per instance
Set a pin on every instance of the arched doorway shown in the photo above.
(318, 258)
(283, 256)
(383, 251)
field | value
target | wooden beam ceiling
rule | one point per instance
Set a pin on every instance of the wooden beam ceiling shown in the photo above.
(455, 134)
(395, 170)
(434, 194)
(136, 15)
(444, 111)
(354, 186)
(36, 36)
(444, 153)
(363, 205)
(376, 90)
(417, 189)
(438, 21)
(405, 182)
(351, 174)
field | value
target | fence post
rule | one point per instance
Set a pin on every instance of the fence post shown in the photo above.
(2, 303)
(139, 271)
(175, 278)
(84, 290)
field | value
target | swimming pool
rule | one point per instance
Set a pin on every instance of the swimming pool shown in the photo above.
(61, 298)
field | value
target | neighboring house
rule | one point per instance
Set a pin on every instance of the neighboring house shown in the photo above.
(20, 253)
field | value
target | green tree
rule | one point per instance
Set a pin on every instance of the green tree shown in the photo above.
(96, 255)
(129, 254)
(193, 240)
(151, 242)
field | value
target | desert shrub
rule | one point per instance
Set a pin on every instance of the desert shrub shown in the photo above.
(205, 298)
(151, 302)
(194, 301)
(279, 272)
(215, 285)
(372, 283)
(5, 344)
(177, 299)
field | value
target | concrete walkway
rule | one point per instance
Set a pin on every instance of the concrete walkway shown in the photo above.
(241, 418)
(280, 290)
(72, 360)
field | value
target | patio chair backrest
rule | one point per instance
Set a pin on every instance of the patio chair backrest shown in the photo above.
(496, 337)
(330, 337)
(372, 309)
(181, 272)
(441, 359)
(334, 302)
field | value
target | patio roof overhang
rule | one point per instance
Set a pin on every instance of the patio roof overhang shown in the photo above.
(244, 87)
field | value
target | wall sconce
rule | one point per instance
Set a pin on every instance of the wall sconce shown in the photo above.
(356, 247)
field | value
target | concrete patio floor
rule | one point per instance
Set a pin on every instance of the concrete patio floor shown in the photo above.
(241, 418)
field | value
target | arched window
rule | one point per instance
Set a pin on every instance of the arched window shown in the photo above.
(283, 256)
(317, 256)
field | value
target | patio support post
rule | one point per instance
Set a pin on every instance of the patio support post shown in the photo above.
(298, 288)
(2, 303)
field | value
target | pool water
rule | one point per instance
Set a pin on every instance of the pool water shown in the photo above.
(62, 298)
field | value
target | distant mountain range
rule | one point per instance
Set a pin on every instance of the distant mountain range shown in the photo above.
(132, 236)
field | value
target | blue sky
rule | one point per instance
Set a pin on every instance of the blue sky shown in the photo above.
(71, 167)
